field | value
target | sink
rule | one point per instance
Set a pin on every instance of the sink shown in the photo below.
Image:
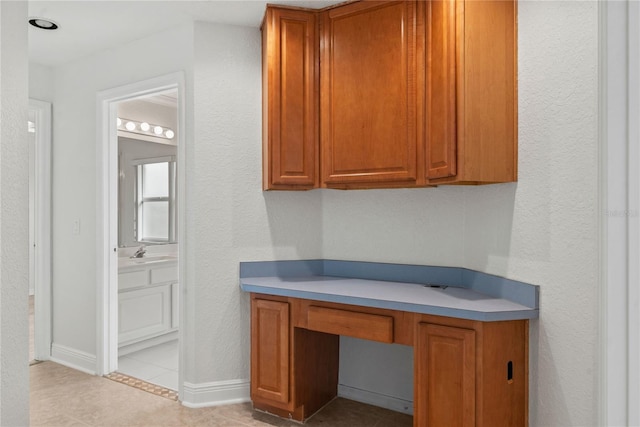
(153, 258)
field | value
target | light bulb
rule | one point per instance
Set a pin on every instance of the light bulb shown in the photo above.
(130, 126)
(169, 134)
(145, 126)
(158, 130)
(119, 121)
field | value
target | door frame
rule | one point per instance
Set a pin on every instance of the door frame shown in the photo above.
(107, 214)
(619, 109)
(42, 232)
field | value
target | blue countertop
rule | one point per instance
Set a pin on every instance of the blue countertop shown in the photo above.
(457, 292)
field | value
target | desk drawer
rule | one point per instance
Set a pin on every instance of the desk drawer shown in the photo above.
(164, 274)
(351, 323)
(133, 279)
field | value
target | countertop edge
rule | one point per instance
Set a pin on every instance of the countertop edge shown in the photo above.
(483, 316)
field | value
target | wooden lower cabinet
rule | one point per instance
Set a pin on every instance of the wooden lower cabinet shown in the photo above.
(446, 376)
(470, 373)
(466, 373)
(294, 371)
(270, 346)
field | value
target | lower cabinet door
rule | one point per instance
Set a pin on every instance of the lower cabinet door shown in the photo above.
(270, 351)
(445, 370)
(143, 313)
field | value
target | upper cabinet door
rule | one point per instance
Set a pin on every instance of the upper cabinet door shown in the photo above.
(441, 89)
(368, 94)
(290, 99)
(474, 44)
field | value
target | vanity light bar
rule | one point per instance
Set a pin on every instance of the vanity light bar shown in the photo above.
(144, 128)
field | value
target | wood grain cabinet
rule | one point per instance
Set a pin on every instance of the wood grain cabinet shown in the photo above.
(368, 94)
(270, 345)
(290, 99)
(294, 371)
(390, 94)
(466, 373)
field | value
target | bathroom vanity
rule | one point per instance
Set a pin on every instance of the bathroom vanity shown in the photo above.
(147, 301)
(469, 332)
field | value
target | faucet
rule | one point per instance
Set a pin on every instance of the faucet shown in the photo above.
(139, 253)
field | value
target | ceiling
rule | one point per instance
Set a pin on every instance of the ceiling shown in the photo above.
(87, 26)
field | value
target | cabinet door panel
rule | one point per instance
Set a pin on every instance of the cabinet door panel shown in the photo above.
(143, 313)
(445, 376)
(290, 114)
(270, 350)
(441, 89)
(368, 96)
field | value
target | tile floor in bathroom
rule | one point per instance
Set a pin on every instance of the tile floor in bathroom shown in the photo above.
(156, 365)
(61, 396)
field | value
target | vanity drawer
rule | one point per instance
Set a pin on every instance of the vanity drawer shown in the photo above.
(355, 324)
(133, 279)
(164, 274)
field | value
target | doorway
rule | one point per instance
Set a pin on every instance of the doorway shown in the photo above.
(140, 272)
(148, 236)
(39, 131)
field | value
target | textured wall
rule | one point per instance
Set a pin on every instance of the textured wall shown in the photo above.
(542, 230)
(14, 214)
(230, 219)
(553, 238)
(74, 163)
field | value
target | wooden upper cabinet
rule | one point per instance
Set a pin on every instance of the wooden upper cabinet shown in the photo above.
(471, 130)
(440, 115)
(368, 94)
(290, 99)
(379, 94)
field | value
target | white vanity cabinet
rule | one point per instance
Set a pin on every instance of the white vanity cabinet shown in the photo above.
(147, 303)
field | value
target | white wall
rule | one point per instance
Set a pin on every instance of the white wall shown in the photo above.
(542, 230)
(74, 181)
(14, 215)
(40, 82)
(229, 218)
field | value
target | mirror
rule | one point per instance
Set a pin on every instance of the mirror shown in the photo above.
(147, 150)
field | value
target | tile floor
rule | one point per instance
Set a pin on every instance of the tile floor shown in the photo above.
(156, 365)
(61, 396)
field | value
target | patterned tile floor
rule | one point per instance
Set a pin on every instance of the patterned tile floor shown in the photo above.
(61, 396)
(143, 385)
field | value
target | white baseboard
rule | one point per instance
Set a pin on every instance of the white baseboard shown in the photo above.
(376, 399)
(132, 348)
(73, 358)
(215, 393)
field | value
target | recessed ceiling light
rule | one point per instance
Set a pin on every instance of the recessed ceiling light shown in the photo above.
(45, 24)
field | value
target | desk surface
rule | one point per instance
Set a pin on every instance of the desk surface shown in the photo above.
(448, 301)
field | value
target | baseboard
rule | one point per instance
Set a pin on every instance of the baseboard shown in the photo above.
(215, 393)
(73, 358)
(132, 348)
(376, 399)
